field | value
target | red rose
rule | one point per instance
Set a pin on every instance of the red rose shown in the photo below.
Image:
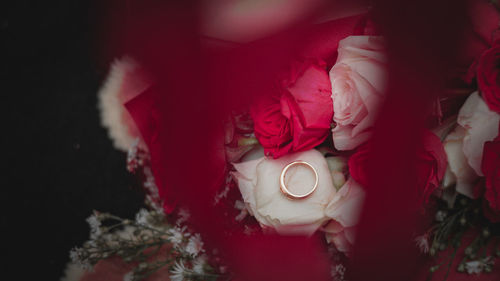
(488, 77)
(431, 164)
(480, 31)
(296, 115)
(491, 169)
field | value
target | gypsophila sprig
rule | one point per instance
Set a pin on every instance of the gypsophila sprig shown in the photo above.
(450, 225)
(338, 272)
(150, 242)
(195, 245)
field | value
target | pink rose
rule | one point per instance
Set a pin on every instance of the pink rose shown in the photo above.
(296, 115)
(358, 81)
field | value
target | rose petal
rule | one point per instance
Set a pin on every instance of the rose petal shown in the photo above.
(346, 205)
(481, 125)
(459, 170)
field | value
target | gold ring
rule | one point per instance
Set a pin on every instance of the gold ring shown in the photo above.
(287, 192)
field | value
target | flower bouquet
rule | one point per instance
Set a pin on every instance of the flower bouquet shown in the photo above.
(298, 157)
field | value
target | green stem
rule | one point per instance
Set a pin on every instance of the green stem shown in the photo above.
(455, 249)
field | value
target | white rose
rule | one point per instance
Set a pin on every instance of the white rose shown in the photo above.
(358, 86)
(477, 124)
(126, 80)
(258, 181)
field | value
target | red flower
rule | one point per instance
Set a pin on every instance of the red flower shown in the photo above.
(296, 115)
(488, 77)
(430, 165)
(491, 169)
(480, 31)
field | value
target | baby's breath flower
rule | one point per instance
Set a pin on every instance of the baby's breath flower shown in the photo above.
(422, 242)
(478, 266)
(77, 256)
(178, 272)
(142, 217)
(440, 215)
(199, 264)
(195, 245)
(338, 272)
(176, 236)
(95, 226)
(129, 276)
(239, 205)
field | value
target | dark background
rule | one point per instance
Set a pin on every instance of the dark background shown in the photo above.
(60, 163)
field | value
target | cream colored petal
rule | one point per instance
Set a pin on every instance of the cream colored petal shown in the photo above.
(366, 47)
(333, 227)
(459, 171)
(449, 178)
(345, 139)
(245, 176)
(481, 125)
(346, 206)
(340, 241)
(350, 234)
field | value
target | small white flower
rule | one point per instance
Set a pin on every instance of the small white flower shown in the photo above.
(149, 182)
(176, 236)
(239, 205)
(340, 269)
(248, 230)
(440, 216)
(195, 245)
(199, 264)
(152, 198)
(223, 269)
(223, 194)
(95, 226)
(473, 267)
(142, 217)
(422, 242)
(177, 273)
(338, 272)
(478, 266)
(129, 276)
(133, 156)
(76, 257)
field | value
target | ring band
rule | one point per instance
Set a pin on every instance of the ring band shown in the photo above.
(287, 192)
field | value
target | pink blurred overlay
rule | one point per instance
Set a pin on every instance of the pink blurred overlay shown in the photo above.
(205, 59)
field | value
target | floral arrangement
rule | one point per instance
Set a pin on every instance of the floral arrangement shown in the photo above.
(295, 161)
